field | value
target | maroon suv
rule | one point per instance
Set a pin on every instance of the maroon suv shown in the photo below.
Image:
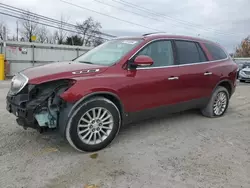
(123, 80)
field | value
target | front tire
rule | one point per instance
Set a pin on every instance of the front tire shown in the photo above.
(94, 125)
(218, 103)
(242, 81)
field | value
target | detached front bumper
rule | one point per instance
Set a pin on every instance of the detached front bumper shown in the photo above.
(25, 116)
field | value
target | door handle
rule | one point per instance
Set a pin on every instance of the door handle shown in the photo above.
(207, 73)
(173, 78)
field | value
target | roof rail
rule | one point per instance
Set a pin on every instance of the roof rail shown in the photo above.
(152, 33)
(120, 37)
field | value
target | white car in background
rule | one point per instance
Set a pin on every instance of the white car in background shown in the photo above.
(244, 73)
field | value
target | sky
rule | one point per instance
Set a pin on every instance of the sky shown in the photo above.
(223, 21)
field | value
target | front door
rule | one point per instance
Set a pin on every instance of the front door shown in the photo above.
(156, 85)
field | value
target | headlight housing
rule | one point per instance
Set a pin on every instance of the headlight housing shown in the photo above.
(18, 82)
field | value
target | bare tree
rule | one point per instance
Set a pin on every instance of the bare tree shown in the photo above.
(97, 41)
(42, 34)
(50, 37)
(29, 25)
(55, 37)
(61, 34)
(243, 50)
(3, 30)
(90, 31)
(13, 38)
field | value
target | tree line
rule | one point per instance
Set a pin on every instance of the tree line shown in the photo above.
(85, 33)
(243, 50)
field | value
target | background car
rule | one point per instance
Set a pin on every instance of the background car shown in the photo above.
(242, 65)
(244, 72)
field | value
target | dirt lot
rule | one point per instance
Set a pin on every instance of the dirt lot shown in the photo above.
(182, 150)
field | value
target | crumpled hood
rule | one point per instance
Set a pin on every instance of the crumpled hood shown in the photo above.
(61, 70)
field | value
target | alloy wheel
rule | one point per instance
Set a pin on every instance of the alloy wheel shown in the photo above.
(95, 125)
(220, 103)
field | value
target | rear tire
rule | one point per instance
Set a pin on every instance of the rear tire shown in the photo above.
(242, 81)
(217, 104)
(94, 125)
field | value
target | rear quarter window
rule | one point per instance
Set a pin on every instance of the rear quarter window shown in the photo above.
(216, 52)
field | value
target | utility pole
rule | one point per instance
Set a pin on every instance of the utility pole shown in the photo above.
(17, 30)
(4, 39)
(4, 34)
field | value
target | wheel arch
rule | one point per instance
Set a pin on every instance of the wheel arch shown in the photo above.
(227, 84)
(90, 97)
(108, 95)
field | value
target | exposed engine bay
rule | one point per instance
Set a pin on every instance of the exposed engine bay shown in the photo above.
(46, 113)
(38, 106)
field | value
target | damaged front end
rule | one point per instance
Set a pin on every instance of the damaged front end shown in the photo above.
(37, 106)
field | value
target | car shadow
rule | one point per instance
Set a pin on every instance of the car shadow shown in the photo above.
(160, 123)
(50, 139)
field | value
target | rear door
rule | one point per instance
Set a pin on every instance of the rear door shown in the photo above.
(218, 67)
(155, 85)
(193, 64)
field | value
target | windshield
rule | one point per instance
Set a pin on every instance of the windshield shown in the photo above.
(109, 52)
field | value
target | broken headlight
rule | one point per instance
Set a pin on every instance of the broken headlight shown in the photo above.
(18, 82)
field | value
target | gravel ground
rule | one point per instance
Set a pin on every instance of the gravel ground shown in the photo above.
(182, 150)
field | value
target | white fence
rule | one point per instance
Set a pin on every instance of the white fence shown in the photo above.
(21, 55)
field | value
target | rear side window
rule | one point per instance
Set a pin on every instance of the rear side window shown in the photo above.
(189, 52)
(216, 51)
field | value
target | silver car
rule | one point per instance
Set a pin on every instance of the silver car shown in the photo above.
(244, 73)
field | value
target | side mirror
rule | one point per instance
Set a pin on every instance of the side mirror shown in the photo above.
(143, 60)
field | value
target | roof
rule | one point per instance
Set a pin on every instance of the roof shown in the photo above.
(152, 36)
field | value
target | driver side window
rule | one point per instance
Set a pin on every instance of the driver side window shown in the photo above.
(160, 51)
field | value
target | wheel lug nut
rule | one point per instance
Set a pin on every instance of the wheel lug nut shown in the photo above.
(91, 126)
(100, 124)
(93, 130)
(98, 129)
